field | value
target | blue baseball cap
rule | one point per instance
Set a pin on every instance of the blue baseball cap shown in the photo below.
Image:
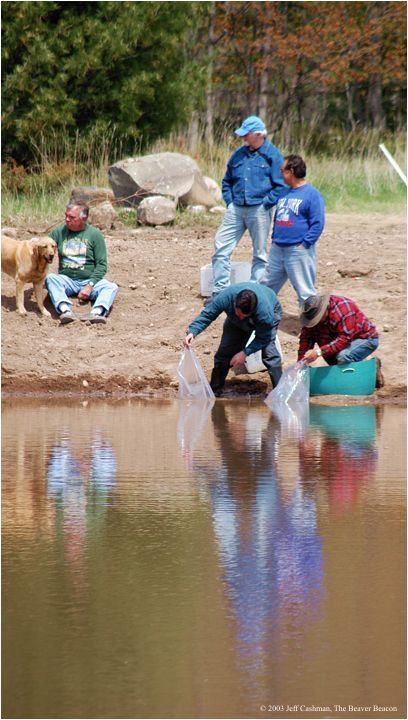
(253, 123)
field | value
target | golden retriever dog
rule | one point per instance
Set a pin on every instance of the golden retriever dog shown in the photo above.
(28, 261)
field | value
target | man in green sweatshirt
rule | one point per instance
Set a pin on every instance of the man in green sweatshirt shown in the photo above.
(82, 268)
(249, 307)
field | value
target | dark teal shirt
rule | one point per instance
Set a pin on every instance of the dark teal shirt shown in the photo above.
(267, 314)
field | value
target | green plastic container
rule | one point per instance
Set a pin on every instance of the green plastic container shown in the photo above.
(356, 378)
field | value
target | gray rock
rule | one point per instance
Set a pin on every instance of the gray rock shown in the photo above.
(197, 209)
(172, 175)
(218, 210)
(102, 216)
(156, 210)
(354, 272)
(214, 188)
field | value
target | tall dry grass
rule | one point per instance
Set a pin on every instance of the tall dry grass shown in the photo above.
(348, 168)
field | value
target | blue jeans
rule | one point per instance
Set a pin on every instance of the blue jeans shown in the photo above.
(257, 220)
(61, 287)
(356, 351)
(295, 263)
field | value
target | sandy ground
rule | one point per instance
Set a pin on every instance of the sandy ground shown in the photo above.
(158, 273)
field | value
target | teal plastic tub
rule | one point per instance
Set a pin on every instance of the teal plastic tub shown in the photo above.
(356, 378)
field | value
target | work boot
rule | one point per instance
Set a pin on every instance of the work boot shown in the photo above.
(275, 374)
(379, 377)
(217, 381)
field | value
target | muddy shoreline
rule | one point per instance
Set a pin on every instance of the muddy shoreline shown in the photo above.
(120, 388)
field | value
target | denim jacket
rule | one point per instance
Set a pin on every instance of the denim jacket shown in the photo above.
(253, 177)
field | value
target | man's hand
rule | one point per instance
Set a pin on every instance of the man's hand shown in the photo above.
(85, 292)
(238, 359)
(310, 356)
(188, 340)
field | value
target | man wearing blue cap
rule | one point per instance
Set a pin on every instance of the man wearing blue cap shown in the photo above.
(250, 188)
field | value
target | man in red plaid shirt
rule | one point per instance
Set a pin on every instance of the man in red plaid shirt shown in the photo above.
(341, 331)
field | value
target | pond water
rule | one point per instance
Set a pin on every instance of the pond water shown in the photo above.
(166, 560)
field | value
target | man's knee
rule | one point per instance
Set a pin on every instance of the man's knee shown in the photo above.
(342, 359)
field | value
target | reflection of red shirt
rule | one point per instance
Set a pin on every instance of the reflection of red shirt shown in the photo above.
(344, 323)
(347, 473)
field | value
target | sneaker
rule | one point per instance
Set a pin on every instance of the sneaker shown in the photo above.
(379, 377)
(67, 317)
(94, 318)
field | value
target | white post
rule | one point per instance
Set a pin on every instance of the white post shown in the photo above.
(393, 163)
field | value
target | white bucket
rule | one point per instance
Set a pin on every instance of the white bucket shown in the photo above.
(240, 272)
(253, 362)
(206, 280)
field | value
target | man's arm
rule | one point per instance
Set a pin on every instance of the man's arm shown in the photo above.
(306, 342)
(275, 163)
(100, 267)
(100, 258)
(343, 319)
(227, 186)
(263, 334)
(342, 341)
(206, 317)
(316, 221)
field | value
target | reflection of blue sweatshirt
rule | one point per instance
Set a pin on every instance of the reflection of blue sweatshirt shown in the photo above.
(299, 216)
(267, 315)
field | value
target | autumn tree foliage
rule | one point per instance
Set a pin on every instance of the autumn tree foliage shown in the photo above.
(311, 63)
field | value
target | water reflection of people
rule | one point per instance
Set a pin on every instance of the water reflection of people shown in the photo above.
(192, 418)
(79, 480)
(269, 544)
(344, 455)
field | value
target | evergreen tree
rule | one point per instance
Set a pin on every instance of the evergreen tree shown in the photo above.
(69, 66)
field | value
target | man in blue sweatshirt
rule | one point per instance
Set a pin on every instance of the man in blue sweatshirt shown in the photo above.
(249, 307)
(250, 189)
(298, 224)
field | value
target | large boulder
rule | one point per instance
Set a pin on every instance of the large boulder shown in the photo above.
(169, 174)
(214, 189)
(156, 210)
(103, 215)
(92, 195)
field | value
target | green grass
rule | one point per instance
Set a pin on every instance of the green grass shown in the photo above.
(362, 185)
(353, 176)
